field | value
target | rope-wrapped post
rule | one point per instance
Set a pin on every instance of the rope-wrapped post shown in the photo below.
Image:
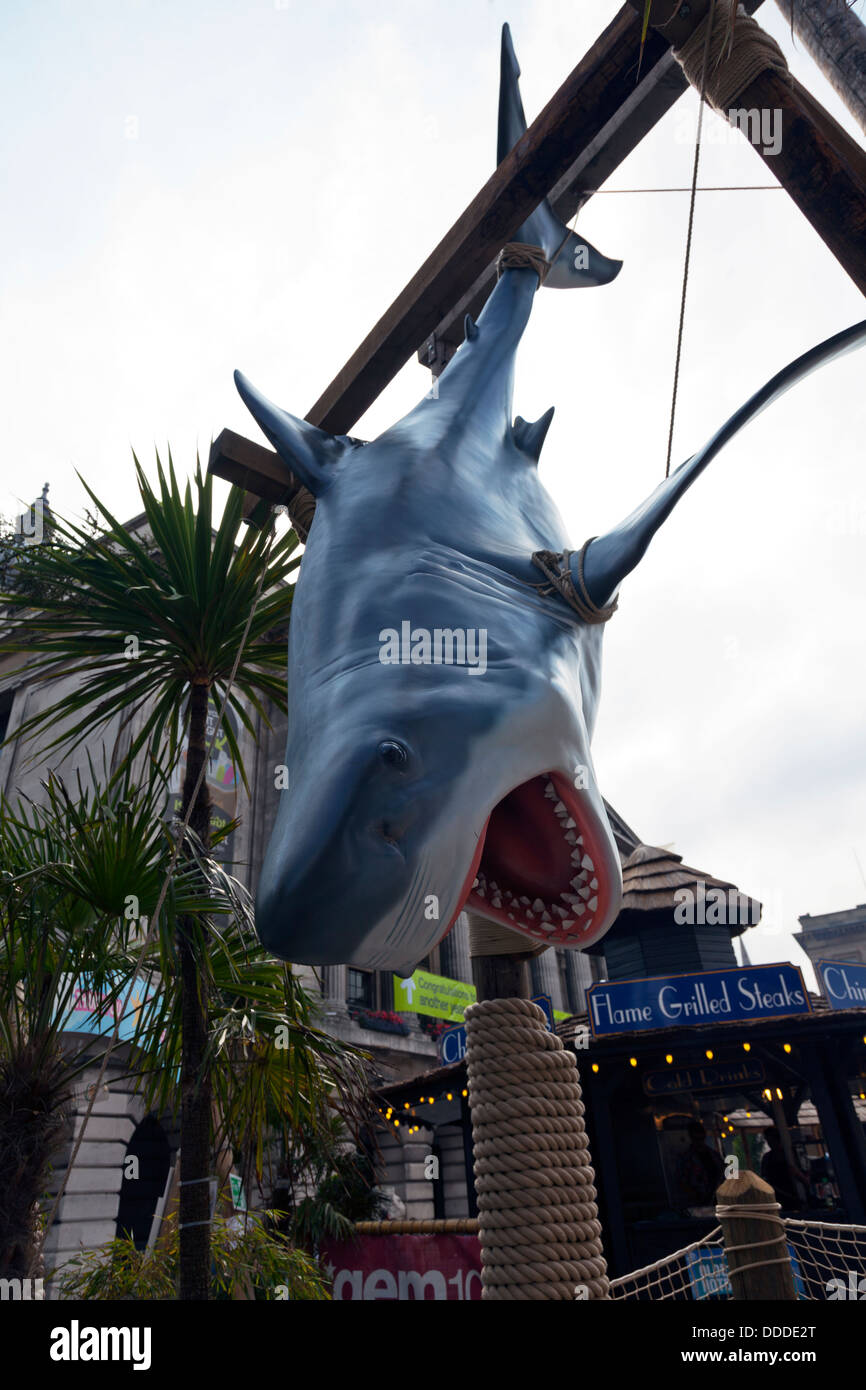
(537, 1215)
(756, 1246)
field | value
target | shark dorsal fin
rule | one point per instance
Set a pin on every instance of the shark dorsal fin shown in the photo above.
(530, 438)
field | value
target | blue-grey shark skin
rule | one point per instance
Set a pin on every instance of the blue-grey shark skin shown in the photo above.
(418, 787)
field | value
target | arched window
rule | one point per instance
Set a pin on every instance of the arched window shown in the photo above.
(143, 1180)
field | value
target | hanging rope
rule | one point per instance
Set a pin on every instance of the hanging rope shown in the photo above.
(706, 36)
(720, 61)
(537, 1216)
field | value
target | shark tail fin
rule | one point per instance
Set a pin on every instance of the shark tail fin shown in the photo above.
(575, 263)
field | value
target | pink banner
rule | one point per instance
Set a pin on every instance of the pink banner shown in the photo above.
(401, 1268)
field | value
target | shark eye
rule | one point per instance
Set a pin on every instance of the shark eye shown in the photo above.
(392, 753)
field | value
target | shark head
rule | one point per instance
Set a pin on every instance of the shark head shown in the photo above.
(441, 698)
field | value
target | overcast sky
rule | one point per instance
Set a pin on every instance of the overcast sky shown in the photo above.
(193, 188)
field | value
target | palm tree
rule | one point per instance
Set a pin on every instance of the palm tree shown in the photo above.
(836, 39)
(67, 867)
(156, 622)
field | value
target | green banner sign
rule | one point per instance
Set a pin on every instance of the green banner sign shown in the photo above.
(423, 993)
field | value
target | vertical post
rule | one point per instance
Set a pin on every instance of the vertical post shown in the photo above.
(756, 1250)
(787, 1147)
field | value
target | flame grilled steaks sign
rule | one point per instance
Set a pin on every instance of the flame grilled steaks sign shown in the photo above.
(418, 786)
(717, 996)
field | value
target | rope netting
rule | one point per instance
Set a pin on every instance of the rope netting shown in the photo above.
(696, 1272)
(828, 1262)
(829, 1259)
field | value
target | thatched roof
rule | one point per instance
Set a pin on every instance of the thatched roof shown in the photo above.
(651, 876)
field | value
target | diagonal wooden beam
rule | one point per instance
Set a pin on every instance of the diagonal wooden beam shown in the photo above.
(594, 120)
(591, 94)
(819, 164)
(573, 123)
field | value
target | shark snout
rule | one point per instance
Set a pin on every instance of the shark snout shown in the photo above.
(338, 864)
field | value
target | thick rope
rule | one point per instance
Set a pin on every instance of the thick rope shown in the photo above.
(538, 1221)
(520, 255)
(735, 58)
(558, 572)
(757, 1211)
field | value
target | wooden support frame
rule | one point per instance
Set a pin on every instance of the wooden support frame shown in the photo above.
(599, 114)
(820, 166)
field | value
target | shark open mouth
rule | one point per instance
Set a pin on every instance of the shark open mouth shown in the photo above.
(538, 869)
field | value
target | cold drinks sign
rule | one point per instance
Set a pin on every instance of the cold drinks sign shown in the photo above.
(714, 996)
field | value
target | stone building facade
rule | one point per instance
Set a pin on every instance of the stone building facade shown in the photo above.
(835, 935)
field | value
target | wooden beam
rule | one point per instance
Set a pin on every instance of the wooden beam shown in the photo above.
(818, 163)
(595, 119)
(820, 166)
(575, 134)
(662, 83)
(591, 94)
(262, 474)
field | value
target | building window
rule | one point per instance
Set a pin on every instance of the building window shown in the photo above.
(359, 988)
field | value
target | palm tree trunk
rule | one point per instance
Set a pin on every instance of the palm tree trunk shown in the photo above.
(836, 39)
(195, 1112)
(35, 1097)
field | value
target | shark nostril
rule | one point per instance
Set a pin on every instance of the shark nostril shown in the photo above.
(389, 834)
(392, 753)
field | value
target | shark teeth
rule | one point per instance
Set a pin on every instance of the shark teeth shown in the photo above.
(550, 921)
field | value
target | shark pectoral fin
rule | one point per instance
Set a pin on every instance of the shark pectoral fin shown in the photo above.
(576, 264)
(310, 453)
(611, 557)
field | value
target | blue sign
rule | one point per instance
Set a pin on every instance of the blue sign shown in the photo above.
(844, 983)
(708, 1273)
(452, 1043)
(714, 996)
